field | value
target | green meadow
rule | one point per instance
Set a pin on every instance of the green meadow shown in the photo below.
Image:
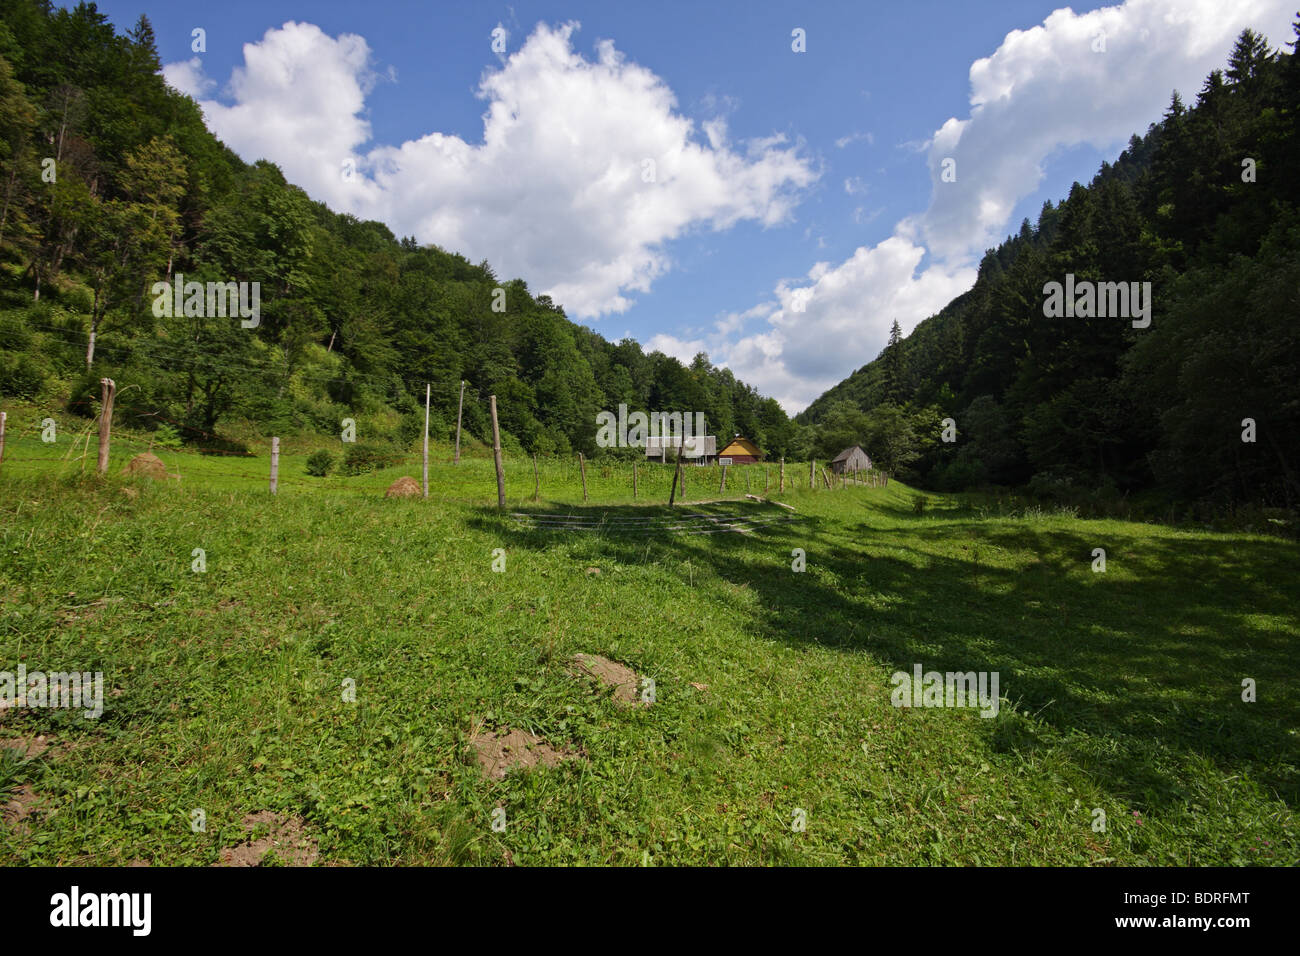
(1122, 736)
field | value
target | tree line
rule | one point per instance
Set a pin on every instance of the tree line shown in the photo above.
(1201, 405)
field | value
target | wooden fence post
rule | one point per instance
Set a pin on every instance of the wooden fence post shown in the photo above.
(582, 465)
(496, 454)
(812, 474)
(537, 479)
(767, 478)
(3, 416)
(460, 407)
(633, 471)
(672, 495)
(723, 486)
(109, 389)
(782, 488)
(424, 480)
(275, 464)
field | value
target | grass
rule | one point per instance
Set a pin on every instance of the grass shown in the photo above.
(1122, 690)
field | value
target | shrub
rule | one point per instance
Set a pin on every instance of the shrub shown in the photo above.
(918, 504)
(362, 458)
(21, 376)
(319, 463)
(165, 436)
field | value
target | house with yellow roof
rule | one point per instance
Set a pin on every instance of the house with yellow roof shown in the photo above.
(741, 451)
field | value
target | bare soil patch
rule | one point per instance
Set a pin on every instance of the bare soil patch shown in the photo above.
(285, 835)
(31, 746)
(19, 806)
(624, 680)
(499, 752)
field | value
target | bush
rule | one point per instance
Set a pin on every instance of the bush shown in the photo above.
(165, 436)
(918, 504)
(362, 458)
(22, 376)
(319, 463)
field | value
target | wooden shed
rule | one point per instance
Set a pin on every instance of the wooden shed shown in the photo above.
(741, 451)
(851, 459)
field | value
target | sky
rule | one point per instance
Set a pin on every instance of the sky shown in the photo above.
(763, 182)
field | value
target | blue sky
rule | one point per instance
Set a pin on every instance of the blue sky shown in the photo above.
(815, 171)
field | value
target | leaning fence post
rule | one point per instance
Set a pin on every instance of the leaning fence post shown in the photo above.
(3, 416)
(105, 421)
(782, 474)
(672, 495)
(275, 464)
(496, 454)
(582, 466)
(633, 466)
(537, 478)
(723, 486)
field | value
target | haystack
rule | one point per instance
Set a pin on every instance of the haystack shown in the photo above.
(404, 487)
(150, 466)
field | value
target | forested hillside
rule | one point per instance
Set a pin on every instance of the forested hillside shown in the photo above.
(1203, 206)
(111, 182)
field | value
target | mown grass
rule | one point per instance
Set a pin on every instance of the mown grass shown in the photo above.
(1122, 690)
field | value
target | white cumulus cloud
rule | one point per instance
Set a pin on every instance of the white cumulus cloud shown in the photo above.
(1041, 90)
(585, 172)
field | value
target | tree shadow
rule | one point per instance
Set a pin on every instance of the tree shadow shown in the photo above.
(1152, 662)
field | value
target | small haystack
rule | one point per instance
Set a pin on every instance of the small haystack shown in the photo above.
(404, 487)
(150, 466)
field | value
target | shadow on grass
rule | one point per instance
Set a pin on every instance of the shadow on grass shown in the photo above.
(1135, 670)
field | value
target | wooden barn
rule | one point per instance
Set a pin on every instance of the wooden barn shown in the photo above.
(741, 451)
(851, 459)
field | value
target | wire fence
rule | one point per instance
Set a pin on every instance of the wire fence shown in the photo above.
(569, 481)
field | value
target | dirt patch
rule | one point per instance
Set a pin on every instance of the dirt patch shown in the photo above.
(146, 465)
(404, 487)
(19, 806)
(502, 751)
(30, 747)
(624, 680)
(284, 835)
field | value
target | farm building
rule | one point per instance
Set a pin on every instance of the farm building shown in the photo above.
(850, 459)
(697, 449)
(741, 451)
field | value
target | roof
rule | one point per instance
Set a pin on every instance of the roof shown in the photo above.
(744, 445)
(844, 455)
